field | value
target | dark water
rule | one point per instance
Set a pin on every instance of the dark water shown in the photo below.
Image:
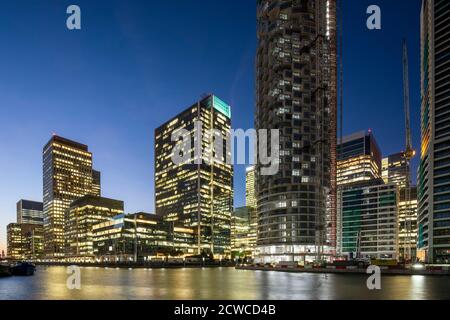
(223, 283)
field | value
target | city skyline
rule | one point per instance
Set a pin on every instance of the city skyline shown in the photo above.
(111, 134)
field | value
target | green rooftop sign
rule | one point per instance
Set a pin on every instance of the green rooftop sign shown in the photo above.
(222, 107)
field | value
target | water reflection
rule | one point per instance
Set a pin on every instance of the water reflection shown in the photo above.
(221, 283)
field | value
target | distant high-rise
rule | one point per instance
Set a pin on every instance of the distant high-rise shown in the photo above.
(359, 159)
(30, 212)
(395, 170)
(243, 232)
(24, 241)
(96, 183)
(296, 93)
(434, 171)
(198, 192)
(67, 170)
(250, 191)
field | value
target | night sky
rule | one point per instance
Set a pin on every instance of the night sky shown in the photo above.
(135, 64)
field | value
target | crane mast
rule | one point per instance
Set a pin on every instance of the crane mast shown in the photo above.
(409, 152)
(408, 155)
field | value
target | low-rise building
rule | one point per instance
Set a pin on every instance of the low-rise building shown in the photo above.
(81, 216)
(140, 237)
(368, 221)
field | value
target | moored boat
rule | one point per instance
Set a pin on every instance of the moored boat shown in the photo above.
(5, 271)
(23, 269)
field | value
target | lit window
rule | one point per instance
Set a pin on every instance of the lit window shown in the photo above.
(282, 204)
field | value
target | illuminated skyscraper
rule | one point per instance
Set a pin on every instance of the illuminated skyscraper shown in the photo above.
(434, 172)
(199, 191)
(67, 170)
(359, 159)
(250, 191)
(30, 212)
(296, 93)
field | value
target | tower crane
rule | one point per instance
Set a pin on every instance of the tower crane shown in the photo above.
(408, 154)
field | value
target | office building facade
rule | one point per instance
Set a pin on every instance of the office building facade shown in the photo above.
(30, 212)
(368, 221)
(296, 94)
(81, 216)
(67, 176)
(434, 172)
(395, 170)
(243, 232)
(407, 223)
(25, 241)
(141, 237)
(359, 159)
(198, 192)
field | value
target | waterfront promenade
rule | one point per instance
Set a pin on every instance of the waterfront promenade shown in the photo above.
(429, 271)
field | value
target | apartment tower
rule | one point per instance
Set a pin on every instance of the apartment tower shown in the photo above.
(433, 190)
(296, 94)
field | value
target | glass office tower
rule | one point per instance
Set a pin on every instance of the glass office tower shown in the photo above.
(30, 212)
(368, 221)
(359, 159)
(395, 170)
(67, 171)
(198, 192)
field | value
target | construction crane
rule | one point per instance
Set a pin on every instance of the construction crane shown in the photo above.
(408, 154)
(409, 151)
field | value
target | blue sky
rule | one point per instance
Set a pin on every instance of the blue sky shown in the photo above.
(136, 64)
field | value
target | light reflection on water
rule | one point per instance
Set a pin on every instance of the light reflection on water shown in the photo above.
(221, 283)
